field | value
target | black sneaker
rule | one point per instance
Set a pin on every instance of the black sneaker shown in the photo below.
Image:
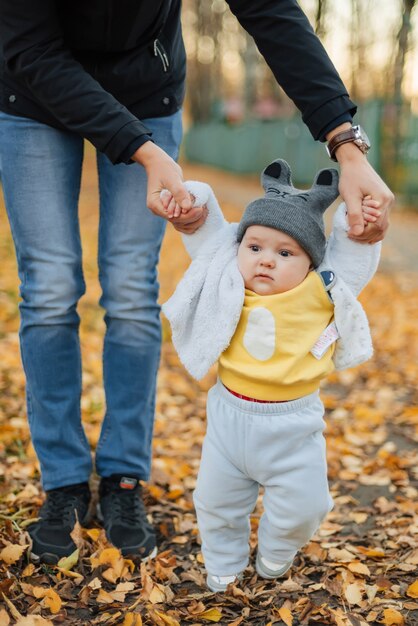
(50, 535)
(124, 516)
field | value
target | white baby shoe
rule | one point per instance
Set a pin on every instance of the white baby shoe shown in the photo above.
(269, 569)
(220, 583)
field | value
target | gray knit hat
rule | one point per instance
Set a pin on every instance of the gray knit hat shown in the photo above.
(296, 212)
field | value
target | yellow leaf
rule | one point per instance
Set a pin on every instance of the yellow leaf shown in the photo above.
(69, 574)
(34, 620)
(110, 575)
(50, 598)
(412, 590)
(52, 601)
(359, 568)
(28, 571)
(68, 562)
(392, 617)
(93, 533)
(353, 593)
(286, 616)
(13, 610)
(167, 619)
(132, 619)
(4, 618)
(212, 615)
(377, 553)
(109, 556)
(157, 594)
(12, 553)
(104, 597)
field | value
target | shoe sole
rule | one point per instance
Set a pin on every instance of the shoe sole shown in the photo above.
(269, 574)
(144, 559)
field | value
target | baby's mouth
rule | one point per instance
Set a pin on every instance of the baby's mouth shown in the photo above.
(264, 276)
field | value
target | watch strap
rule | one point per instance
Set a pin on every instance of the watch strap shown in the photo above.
(345, 136)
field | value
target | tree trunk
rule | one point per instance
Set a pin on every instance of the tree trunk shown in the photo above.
(403, 39)
(321, 10)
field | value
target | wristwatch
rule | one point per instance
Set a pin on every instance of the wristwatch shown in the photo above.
(355, 134)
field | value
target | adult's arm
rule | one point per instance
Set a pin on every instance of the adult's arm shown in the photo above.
(297, 59)
(303, 69)
(36, 55)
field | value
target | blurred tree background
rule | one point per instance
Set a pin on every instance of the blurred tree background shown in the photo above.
(373, 44)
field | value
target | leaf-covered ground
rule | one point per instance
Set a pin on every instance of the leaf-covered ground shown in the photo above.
(361, 567)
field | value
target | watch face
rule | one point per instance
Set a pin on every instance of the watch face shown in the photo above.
(361, 137)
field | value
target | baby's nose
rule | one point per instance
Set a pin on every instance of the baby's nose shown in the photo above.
(268, 260)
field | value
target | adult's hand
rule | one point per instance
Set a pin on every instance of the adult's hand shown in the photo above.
(162, 173)
(358, 180)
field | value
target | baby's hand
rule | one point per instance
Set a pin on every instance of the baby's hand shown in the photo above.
(171, 207)
(370, 210)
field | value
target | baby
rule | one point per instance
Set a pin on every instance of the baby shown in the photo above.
(275, 304)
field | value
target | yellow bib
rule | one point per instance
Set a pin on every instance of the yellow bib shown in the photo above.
(269, 357)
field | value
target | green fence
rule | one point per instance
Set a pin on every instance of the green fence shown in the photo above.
(248, 147)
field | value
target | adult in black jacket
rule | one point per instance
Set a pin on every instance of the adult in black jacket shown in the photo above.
(114, 72)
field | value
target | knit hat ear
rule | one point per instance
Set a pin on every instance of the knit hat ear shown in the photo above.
(326, 184)
(277, 173)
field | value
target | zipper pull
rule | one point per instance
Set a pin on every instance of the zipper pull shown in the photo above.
(160, 52)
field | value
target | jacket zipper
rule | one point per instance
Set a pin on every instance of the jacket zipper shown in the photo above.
(160, 52)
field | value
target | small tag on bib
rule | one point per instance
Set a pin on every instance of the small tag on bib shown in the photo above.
(327, 338)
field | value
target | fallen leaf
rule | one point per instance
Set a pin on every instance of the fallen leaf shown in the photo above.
(104, 597)
(211, 615)
(412, 590)
(342, 556)
(96, 583)
(377, 553)
(167, 619)
(28, 571)
(132, 619)
(34, 620)
(49, 597)
(13, 610)
(68, 562)
(359, 568)
(157, 594)
(392, 617)
(12, 553)
(286, 616)
(93, 533)
(353, 593)
(4, 618)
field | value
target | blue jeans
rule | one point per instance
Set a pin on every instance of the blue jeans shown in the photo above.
(41, 170)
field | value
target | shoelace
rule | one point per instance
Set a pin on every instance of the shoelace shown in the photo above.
(128, 508)
(60, 507)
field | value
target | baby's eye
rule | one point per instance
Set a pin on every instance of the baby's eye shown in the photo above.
(285, 253)
(254, 248)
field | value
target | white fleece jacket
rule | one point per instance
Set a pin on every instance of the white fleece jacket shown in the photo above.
(206, 306)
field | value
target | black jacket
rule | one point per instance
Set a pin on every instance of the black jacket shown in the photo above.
(96, 67)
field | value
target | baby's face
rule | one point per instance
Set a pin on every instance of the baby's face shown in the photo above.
(271, 261)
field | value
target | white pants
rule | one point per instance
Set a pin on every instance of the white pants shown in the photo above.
(279, 446)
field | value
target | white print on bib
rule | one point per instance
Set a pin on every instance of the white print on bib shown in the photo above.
(327, 338)
(260, 334)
